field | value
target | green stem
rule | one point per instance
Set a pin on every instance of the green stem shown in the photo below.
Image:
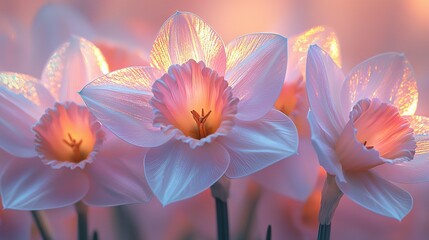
(222, 219)
(82, 220)
(40, 226)
(324, 232)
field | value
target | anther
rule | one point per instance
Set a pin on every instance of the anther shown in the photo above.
(201, 120)
(367, 147)
(75, 146)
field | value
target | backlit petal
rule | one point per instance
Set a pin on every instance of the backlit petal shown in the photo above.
(120, 100)
(255, 145)
(39, 186)
(71, 67)
(175, 171)
(324, 80)
(376, 194)
(185, 36)
(323, 36)
(256, 68)
(388, 77)
(21, 97)
(416, 170)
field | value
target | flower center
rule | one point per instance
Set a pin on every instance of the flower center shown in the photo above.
(200, 121)
(67, 136)
(189, 88)
(380, 126)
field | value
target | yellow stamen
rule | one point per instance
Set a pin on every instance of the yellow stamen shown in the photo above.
(75, 146)
(201, 120)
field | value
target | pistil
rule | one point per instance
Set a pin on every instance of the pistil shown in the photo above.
(201, 120)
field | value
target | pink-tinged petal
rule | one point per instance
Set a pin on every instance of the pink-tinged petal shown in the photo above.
(298, 46)
(120, 100)
(256, 68)
(255, 145)
(185, 36)
(175, 171)
(71, 67)
(416, 170)
(376, 194)
(324, 80)
(388, 77)
(53, 25)
(295, 177)
(21, 97)
(39, 186)
(354, 156)
(325, 148)
(116, 180)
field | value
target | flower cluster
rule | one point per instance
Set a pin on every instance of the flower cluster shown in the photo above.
(200, 113)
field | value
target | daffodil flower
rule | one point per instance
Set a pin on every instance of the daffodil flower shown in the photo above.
(204, 110)
(54, 152)
(365, 132)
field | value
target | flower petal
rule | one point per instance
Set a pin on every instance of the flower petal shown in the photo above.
(295, 177)
(388, 77)
(185, 36)
(255, 145)
(71, 67)
(53, 25)
(376, 194)
(22, 98)
(117, 180)
(325, 149)
(120, 100)
(175, 171)
(324, 80)
(28, 184)
(298, 46)
(416, 170)
(256, 68)
(353, 155)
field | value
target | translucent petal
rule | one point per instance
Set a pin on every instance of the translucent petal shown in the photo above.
(256, 68)
(185, 36)
(388, 77)
(71, 67)
(324, 80)
(255, 145)
(28, 184)
(120, 101)
(323, 36)
(376, 194)
(175, 171)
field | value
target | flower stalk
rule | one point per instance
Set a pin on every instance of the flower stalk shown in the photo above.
(331, 196)
(40, 225)
(220, 192)
(82, 220)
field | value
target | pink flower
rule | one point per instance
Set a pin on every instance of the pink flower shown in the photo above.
(64, 155)
(203, 109)
(364, 130)
(297, 178)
